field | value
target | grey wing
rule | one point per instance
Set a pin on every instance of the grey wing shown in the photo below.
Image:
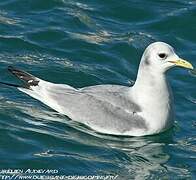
(104, 109)
(100, 114)
(114, 94)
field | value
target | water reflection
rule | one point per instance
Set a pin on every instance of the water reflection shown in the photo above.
(134, 156)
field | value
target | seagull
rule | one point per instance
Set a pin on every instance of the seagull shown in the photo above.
(146, 108)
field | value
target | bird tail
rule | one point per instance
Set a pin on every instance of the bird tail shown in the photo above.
(27, 79)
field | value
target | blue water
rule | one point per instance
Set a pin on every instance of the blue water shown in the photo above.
(85, 43)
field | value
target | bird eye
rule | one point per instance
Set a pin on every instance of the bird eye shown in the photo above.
(162, 55)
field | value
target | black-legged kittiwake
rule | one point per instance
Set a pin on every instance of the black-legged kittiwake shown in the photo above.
(145, 108)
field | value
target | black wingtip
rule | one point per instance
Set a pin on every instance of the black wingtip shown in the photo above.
(27, 78)
(10, 68)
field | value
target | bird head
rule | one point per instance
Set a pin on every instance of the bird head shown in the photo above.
(161, 56)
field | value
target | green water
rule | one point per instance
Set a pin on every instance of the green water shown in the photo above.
(84, 43)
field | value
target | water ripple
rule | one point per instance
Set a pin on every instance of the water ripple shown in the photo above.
(84, 43)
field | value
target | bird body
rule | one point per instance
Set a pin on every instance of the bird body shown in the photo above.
(144, 109)
(110, 111)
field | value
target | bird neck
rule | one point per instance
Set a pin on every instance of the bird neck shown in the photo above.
(149, 81)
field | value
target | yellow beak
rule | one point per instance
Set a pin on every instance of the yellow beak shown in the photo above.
(182, 63)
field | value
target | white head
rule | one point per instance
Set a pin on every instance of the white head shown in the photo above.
(161, 57)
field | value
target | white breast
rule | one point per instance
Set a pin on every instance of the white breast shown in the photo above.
(156, 102)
